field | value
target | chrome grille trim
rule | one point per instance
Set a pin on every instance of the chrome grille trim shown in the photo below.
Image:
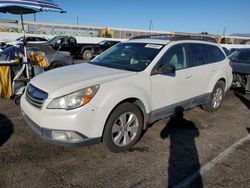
(35, 96)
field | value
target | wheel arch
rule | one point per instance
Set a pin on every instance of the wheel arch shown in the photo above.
(86, 48)
(136, 102)
(215, 81)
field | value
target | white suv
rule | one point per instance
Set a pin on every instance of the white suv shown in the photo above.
(113, 98)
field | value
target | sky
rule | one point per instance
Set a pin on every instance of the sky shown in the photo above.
(195, 16)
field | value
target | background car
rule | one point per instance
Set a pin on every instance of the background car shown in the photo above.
(227, 52)
(28, 39)
(55, 58)
(240, 60)
(103, 45)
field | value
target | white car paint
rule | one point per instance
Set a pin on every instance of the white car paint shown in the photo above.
(153, 91)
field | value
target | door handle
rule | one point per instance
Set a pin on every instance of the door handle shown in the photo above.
(214, 69)
(188, 75)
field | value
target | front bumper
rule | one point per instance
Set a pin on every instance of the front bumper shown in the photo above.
(46, 134)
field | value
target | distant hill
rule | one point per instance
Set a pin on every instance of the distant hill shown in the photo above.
(241, 34)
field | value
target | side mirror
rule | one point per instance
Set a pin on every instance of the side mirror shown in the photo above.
(167, 68)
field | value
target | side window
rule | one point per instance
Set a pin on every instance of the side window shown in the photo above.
(58, 41)
(215, 54)
(198, 54)
(72, 41)
(175, 55)
(64, 41)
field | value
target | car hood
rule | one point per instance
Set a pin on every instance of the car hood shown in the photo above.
(62, 81)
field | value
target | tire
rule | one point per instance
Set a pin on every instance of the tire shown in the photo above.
(87, 55)
(120, 133)
(215, 98)
(17, 100)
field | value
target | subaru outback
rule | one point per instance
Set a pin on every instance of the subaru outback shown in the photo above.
(133, 84)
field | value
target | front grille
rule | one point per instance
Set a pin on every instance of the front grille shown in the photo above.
(35, 96)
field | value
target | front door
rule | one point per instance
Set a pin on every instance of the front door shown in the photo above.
(172, 90)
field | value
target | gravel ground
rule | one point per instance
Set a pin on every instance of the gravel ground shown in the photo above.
(169, 152)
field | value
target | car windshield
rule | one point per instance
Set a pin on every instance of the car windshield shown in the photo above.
(128, 56)
(240, 56)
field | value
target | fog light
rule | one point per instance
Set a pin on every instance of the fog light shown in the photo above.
(66, 136)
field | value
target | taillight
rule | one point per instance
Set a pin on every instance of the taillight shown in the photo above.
(231, 63)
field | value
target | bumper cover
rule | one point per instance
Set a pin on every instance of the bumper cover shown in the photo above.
(46, 134)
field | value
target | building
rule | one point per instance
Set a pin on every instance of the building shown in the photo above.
(96, 31)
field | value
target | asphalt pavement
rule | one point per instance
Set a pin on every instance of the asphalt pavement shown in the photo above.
(199, 149)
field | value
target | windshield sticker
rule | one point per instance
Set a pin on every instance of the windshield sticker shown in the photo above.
(155, 46)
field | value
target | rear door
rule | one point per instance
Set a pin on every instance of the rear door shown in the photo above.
(200, 69)
(171, 90)
(204, 66)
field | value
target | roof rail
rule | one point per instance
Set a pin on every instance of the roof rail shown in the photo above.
(176, 38)
(155, 36)
(189, 37)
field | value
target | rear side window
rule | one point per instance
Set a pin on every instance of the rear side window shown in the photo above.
(215, 54)
(201, 54)
(198, 54)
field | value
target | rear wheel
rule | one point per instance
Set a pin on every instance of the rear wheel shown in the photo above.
(215, 98)
(87, 55)
(123, 128)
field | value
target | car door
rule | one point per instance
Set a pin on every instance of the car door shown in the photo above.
(204, 66)
(173, 89)
(200, 68)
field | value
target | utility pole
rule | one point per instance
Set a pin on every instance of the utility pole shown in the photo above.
(224, 31)
(150, 25)
(34, 17)
(77, 20)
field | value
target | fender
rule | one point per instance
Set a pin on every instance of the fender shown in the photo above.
(113, 97)
(88, 47)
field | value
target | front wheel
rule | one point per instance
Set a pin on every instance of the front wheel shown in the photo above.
(123, 128)
(215, 98)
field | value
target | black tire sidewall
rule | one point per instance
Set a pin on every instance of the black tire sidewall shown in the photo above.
(107, 136)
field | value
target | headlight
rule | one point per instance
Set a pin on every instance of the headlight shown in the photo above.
(74, 100)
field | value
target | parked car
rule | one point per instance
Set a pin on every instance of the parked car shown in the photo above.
(227, 52)
(240, 59)
(135, 83)
(32, 39)
(104, 45)
(55, 59)
(67, 43)
(28, 39)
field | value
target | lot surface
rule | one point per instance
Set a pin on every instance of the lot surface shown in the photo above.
(170, 151)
